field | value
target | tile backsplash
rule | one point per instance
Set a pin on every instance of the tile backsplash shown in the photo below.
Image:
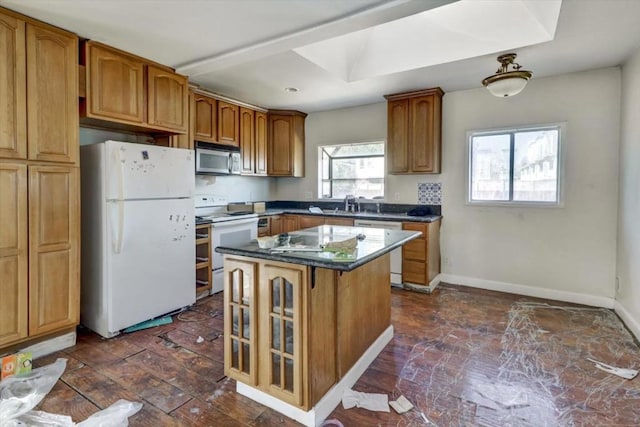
(430, 193)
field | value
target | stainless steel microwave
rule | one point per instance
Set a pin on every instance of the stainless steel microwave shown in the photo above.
(214, 159)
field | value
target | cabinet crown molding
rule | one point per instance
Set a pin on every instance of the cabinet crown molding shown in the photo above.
(414, 93)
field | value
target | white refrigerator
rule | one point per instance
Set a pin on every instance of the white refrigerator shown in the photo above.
(138, 234)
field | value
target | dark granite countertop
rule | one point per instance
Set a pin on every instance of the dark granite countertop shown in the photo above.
(377, 242)
(354, 215)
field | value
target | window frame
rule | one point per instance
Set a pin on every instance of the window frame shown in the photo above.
(562, 135)
(321, 150)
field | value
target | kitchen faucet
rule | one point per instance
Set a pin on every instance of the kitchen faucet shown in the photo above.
(349, 200)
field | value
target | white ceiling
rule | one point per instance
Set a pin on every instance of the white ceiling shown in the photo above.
(251, 50)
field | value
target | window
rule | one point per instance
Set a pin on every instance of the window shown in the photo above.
(356, 169)
(515, 166)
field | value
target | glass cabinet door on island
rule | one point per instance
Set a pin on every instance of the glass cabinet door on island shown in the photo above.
(281, 299)
(240, 358)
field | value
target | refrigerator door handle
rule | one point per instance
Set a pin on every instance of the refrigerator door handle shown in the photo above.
(117, 230)
(229, 163)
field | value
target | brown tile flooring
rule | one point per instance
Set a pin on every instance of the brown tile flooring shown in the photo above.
(462, 356)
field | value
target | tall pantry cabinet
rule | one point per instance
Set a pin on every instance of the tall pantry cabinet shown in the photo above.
(39, 180)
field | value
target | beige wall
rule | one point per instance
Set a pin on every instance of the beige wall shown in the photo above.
(628, 256)
(564, 253)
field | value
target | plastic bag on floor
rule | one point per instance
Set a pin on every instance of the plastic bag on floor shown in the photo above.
(116, 415)
(20, 394)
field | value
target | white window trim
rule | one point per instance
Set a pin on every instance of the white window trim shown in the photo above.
(361, 199)
(562, 138)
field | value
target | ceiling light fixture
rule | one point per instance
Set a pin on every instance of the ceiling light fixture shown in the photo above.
(504, 82)
(291, 89)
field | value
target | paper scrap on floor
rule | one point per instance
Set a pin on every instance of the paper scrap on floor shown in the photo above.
(401, 405)
(621, 372)
(371, 401)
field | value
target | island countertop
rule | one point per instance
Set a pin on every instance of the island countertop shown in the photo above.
(376, 242)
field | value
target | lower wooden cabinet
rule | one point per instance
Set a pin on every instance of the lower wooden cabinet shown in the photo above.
(421, 256)
(39, 284)
(269, 295)
(288, 222)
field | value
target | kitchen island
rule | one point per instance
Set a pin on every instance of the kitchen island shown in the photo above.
(302, 325)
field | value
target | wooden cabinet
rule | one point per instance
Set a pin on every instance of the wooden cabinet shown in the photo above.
(203, 259)
(54, 257)
(206, 118)
(13, 88)
(285, 155)
(286, 223)
(338, 221)
(247, 141)
(39, 180)
(421, 256)
(260, 152)
(289, 223)
(271, 295)
(281, 289)
(308, 221)
(14, 289)
(240, 320)
(253, 141)
(414, 121)
(39, 81)
(132, 93)
(52, 95)
(228, 124)
(276, 225)
(167, 99)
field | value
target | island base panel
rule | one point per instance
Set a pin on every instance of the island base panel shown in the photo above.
(331, 399)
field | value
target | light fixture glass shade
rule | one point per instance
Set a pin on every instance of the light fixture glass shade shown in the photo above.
(507, 86)
(507, 82)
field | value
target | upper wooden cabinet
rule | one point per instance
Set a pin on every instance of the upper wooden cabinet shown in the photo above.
(129, 92)
(167, 99)
(228, 124)
(414, 122)
(253, 141)
(260, 153)
(247, 141)
(13, 85)
(38, 80)
(285, 144)
(205, 115)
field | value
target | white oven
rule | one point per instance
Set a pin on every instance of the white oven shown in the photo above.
(227, 229)
(232, 232)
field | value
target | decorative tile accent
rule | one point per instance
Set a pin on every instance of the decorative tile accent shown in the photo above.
(430, 193)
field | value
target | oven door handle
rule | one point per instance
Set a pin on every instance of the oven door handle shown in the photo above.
(234, 222)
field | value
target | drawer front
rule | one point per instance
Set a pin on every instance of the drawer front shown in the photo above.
(415, 250)
(414, 272)
(416, 226)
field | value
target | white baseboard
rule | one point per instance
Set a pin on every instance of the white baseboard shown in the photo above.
(629, 321)
(331, 399)
(51, 345)
(530, 291)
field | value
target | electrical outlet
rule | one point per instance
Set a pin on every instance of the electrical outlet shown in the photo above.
(617, 284)
(308, 195)
(251, 195)
(396, 196)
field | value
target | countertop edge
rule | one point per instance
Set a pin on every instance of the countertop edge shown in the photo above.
(356, 216)
(331, 265)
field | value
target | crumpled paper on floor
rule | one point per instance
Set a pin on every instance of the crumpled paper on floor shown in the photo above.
(371, 401)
